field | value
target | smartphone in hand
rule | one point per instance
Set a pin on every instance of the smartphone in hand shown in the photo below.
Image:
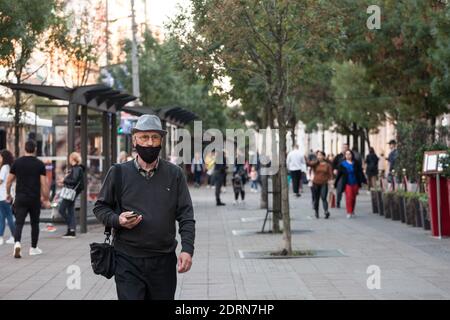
(132, 216)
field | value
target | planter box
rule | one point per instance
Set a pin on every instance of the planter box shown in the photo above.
(402, 209)
(395, 207)
(410, 212)
(387, 199)
(380, 203)
(374, 198)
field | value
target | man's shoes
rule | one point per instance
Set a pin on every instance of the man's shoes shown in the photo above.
(349, 216)
(317, 214)
(235, 202)
(35, 251)
(327, 215)
(220, 204)
(297, 195)
(16, 252)
(70, 234)
(338, 205)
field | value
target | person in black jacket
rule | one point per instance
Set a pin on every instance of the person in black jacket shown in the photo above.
(220, 170)
(153, 195)
(336, 162)
(73, 180)
(352, 177)
(372, 168)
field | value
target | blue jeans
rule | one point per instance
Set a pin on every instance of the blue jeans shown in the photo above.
(254, 185)
(6, 213)
(69, 216)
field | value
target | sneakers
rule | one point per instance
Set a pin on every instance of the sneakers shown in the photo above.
(35, 251)
(220, 204)
(235, 202)
(327, 215)
(70, 234)
(349, 216)
(1, 241)
(16, 252)
(10, 240)
(317, 214)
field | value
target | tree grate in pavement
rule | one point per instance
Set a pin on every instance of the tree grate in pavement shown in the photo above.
(245, 232)
(330, 253)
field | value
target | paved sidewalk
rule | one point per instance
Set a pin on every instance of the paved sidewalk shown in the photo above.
(413, 265)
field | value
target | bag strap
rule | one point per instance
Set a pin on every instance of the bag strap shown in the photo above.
(117, 193)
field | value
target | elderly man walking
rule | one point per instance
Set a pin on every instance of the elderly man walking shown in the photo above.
(154, 195)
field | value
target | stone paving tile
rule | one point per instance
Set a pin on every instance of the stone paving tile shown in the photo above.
(413, 265)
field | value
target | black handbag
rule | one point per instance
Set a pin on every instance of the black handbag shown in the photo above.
(103, 258)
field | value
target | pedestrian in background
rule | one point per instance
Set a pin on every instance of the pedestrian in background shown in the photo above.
(197, 168)
(323, 173)
(6, 161)
(339, 185)
(351, 175)
(372, 168)
(31, 190)
(210, 161)
(219, 175)
(254, 179)
(296, 164)
(73, 180)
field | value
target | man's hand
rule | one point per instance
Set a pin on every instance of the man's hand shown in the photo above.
(131, 222)
(184, 262)
(9, 199)
(335, 172)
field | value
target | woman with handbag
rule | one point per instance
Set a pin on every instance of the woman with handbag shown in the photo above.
(6, 161)
(73, 185)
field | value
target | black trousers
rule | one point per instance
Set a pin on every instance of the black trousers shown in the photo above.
(296, 180)
(21, 210)
(340, 189)
(219, 179)
(239, 191)
(153, 278)
(320, 192)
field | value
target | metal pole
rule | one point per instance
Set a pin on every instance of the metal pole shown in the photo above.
(134, 55)
(71, 119)
(84, 154)
(438, 191)
(113, 137)
(106, 143)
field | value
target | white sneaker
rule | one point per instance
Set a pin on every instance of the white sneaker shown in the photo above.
(35, 251)
(234, 202)
(10, 240)
(1, 241)
(349, 216)
(16, 252)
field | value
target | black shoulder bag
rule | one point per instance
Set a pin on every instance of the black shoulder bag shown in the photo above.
(103, 260)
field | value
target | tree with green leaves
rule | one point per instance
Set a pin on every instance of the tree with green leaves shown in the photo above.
(166, 82)
(269, 40)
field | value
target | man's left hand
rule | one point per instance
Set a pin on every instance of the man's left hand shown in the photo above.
(184, 262)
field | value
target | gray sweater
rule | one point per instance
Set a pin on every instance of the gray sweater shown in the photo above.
(161, 200)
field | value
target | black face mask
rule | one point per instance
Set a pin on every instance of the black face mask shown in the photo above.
(148, 154)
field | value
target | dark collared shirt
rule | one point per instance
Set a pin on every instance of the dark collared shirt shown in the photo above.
(146, 174)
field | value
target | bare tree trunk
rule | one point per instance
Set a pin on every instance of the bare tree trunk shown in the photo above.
(17, 122)
(287, 236)
(276, 207)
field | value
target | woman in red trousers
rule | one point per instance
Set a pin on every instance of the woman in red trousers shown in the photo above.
(351, 171)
